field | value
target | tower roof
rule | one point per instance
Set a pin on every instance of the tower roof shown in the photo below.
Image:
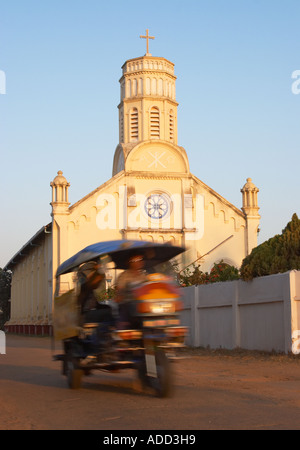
(249, 186)
(59, 180)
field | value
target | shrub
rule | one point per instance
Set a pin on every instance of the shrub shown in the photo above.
(220, 272)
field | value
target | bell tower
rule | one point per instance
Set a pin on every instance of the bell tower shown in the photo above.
(148, 107)
(60, 212)
(250, 209)
(60, 194)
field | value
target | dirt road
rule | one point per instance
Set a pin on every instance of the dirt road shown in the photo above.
(213, 390)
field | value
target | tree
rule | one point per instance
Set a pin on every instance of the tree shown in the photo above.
(5, 287)
(277, 255)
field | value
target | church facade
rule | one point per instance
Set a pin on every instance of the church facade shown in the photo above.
(152, 195)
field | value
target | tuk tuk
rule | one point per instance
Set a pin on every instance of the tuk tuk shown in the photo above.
(152, 334)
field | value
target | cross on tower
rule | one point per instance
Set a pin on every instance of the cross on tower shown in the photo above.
(147, 37)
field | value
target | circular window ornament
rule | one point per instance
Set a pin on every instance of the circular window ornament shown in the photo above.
(157, 205)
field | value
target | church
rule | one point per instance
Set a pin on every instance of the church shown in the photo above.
(152, 195)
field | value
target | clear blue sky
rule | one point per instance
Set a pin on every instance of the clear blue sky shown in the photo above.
(237, 115)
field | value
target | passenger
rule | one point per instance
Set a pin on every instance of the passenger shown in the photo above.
(131, 277)
(90, 276)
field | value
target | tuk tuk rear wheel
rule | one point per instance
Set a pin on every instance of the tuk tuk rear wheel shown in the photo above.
(74, 374)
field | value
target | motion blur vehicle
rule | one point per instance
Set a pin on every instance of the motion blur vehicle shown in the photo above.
(152, 332)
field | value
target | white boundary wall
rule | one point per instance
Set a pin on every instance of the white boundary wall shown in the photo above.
(262, 314)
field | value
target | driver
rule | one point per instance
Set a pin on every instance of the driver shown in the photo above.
(135, 274)
(131, 277)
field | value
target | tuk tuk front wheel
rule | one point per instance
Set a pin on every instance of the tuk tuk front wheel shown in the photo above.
(162, 384)
(74, 374)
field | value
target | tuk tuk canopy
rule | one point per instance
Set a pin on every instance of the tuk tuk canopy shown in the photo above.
(119, 251)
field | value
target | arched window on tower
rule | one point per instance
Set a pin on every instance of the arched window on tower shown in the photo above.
(153, 86)
(160, 87)
(154, 123)
(128, 89)
(134, 87)
(134, 125)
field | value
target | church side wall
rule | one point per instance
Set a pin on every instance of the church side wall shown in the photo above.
(31, 302)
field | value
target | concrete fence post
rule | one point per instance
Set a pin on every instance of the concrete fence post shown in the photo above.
(287, 307)
(236, 326)
(2, 343)
(195, 335)
(295, 311)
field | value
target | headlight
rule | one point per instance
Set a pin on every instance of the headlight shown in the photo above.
(156, 307)
(162, 308)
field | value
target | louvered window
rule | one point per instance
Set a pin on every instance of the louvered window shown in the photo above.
(134, 125)
(154, 123)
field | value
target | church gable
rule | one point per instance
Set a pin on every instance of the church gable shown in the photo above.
(155, 157)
